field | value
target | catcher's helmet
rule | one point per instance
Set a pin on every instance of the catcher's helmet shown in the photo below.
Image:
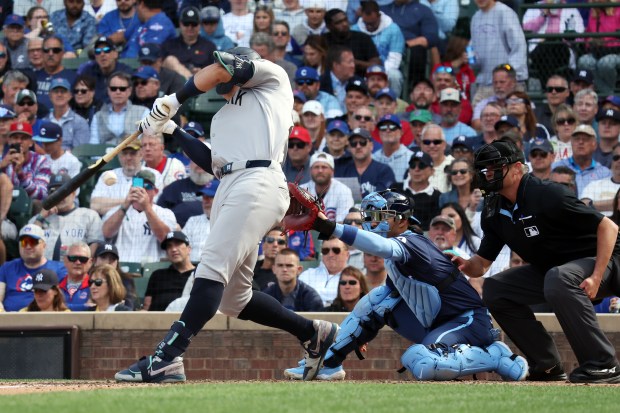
(492, 158)
(246, 54)
(378, 207)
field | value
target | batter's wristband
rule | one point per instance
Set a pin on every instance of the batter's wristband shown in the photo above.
(324, 227)
(189, 90)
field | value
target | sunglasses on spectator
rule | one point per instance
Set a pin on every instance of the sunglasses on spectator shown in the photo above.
(345, 282)
(353, 221)
(54, 50)
(505, 67)
(616, 158)
(565, 121)
(3, 55)
(335, 250)
(80, 91)
(419, 165)
(388, 127)
(305, 82)
(455, 172)
(26, 103)
(538, 154)
(74, 258)
(296, 145)
(557, 89)
(140, 82)
(29, 242)
(105, 50)
(280, 33)
(365, 118)
(118, 88)
(98, 282)
(355, 144)
(271, 240)
(433, 142)
(444, 69)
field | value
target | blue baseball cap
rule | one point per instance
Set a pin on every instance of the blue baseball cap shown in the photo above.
(509, 119)
(386, 91)
(391, 118)
(146, 72)
(298, 94)
(14, 19)
(194, 127)
(339, 126)
(49, 132)
(463, 141)
(307, 73)
(614, 100)
(210, 188)
(149, 52)
(6, 112)
(60, 82)
(541, 145)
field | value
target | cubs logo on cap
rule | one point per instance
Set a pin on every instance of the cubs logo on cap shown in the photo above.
(49, 132)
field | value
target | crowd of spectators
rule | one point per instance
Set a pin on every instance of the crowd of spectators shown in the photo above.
(389, 94)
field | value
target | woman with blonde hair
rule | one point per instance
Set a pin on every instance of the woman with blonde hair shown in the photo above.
(106, 289)
(263, 19)
(47, 295)
(564, 121)
(351, 288)
(313, 119)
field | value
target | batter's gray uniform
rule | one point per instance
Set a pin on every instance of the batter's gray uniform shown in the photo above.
(253, 125)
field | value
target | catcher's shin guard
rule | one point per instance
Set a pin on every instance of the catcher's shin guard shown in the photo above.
(175, 343)
(362, 324)
(440, 362)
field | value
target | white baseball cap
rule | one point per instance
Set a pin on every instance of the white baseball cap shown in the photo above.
(312, 106)
(313, 4)
(449, 95)
(322, 157)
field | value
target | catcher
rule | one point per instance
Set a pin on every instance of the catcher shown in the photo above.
(426, 299)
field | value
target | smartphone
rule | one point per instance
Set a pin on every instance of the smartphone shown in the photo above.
(137, 181)
(15, 146)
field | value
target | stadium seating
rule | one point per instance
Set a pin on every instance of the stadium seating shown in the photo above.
(21, 208)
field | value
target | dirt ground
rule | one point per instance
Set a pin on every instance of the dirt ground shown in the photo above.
(14, 387)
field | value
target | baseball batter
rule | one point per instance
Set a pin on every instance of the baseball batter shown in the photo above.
(249, 138)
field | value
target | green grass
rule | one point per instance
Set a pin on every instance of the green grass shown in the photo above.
(346, 397)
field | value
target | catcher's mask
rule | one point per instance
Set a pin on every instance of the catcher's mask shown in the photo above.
(489, 162)
(378, 207)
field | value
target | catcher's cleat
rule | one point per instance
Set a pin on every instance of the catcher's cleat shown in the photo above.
(325, 334)
(595, 375)
(152, 369)
(325, 373)
(554, 373)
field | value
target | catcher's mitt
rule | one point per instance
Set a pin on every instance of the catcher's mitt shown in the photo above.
(303, 209)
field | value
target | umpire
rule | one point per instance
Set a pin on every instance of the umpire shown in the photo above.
(573, 253)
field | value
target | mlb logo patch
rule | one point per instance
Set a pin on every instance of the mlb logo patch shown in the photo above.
(531, 231)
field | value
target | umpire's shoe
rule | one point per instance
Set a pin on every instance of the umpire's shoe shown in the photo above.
(152, 369)
(595, 375)
(325, 334)
(554, 373)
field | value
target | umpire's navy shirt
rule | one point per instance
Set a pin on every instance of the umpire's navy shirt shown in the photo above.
(547, 226)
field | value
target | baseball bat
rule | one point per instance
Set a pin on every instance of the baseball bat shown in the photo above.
(77, 181)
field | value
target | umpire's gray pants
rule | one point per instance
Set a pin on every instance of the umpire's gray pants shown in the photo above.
(509, 294)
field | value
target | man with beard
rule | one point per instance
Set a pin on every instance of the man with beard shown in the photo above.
(339, 33)
(504, 83)
(336, 196)
(75, 25)
(443, 234)
(183, 196)
(120, 24)
(106, 197)
(450, 110)
(198, 227)
(422, 96)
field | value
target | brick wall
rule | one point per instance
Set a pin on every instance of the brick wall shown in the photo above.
(230, 349)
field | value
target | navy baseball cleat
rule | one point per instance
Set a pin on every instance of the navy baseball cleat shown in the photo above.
(325, 334)
(595, 376)
(152, 369)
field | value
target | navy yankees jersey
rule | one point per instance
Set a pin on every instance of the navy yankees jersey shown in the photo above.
(547, 226)
(376, 177)
(425, 262)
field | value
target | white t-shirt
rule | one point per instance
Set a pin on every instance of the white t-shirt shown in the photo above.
(135, 240)
(601, 190)
(259, 130)
(338, 199)
(239, 28)
(67, 163)
(197, 229)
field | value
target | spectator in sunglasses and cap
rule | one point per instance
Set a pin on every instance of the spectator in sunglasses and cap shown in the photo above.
(76, 286)
(264, 276)
(16, 281)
